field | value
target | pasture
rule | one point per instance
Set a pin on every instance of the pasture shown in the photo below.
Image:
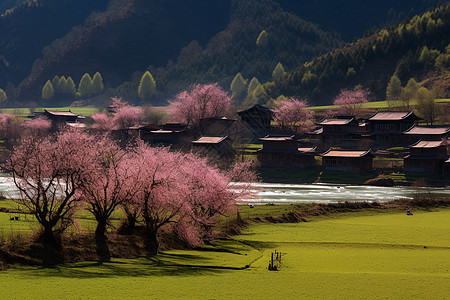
(383, 254)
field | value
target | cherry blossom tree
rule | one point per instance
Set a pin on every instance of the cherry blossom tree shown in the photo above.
(102, 122)
(6, 123)
(293, 114)
(48, 172)
(179, 193)
(201, 101)
(123, 116)
(126, 116)
(38, 126)
(350, 101)
(108, 184)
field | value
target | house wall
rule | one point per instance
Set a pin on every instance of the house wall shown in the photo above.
(274, 159)
(347, 164)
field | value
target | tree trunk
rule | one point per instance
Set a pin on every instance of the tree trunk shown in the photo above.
(52, 249)
(151, 241)
(102, 242)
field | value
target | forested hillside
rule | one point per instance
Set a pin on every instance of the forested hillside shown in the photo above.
(417, 48)
(351, 18)
(179, 42)
(31, 25)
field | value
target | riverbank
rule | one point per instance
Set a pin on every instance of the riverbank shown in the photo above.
(18, 246)
(380, 253)
(317, 175)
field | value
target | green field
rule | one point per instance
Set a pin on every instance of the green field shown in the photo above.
(378, 104)
(84, 111)
(351, 256)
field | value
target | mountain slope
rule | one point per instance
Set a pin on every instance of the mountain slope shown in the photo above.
(371, 61)
(31, 25)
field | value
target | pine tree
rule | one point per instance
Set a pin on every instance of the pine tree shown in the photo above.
(238, 85)
(411, 88)
(85, 86)
(257, 96)
(394, 88)
(3, 97)
(278, 72)
(254, 83)
(55, 81)
(47, 91)
(262, 39)
(97, 84)
(62, 85)
(71, 87)
(147, 86)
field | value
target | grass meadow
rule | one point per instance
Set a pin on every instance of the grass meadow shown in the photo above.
(360, 255)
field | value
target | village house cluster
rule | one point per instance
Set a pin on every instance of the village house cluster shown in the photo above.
(343, 143)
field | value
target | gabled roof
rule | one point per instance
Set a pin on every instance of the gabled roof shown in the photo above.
(277, 138)
(61, 113)
(76, 125)
(346, 153)
(393, 116)
(428, 144)
(336, 121)
(428, 130)
(210, 140)
(161, 131)
(307, 150)
(257, 107)
(224, 119)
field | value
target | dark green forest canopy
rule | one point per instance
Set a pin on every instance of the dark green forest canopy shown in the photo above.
(372, 60)
(179, 42)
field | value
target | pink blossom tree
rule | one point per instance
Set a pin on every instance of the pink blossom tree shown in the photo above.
(109, 183)
(179, 193)
(126, 116)
(38, 126)
(293, 114)
(6, 124)
(350, 102)
(48, 172)
(200, 101)
(102, 122)
(123, 116)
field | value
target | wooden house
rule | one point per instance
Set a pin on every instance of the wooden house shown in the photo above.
(218, 148)
(218, 126)
(387, 127)
(343, 131)
(426, 157)
(417, 133)
(358, 161)
(257, 118)
(63, 118)
(285, 152)
(174, 135)
(446, 168)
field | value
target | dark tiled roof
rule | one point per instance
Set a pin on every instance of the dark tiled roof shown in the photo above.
(392, 116)
(335, 121)
(428, 130)
(346, 153)
(277, 138)
(427, 144)
(61, 113)
(257, 107)
(209, 140)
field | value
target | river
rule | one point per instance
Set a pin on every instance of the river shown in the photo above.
(304, 193)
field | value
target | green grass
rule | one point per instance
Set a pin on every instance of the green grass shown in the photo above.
(85, 110)
(349, 256)
(378, 104)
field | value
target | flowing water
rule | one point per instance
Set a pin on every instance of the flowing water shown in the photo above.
(303, 193)
(333, 193)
